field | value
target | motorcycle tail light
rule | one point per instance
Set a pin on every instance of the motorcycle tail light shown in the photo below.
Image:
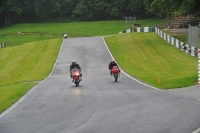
(77, 74)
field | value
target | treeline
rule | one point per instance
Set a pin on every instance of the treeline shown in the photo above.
(15, 11)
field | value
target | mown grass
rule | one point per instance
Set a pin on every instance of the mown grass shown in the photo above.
(73, 29)
(23, 33)
(149, 58)
(15, 39)
(27, 63)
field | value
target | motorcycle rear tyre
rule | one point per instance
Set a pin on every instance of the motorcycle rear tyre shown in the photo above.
(77, 84)
(116, 77)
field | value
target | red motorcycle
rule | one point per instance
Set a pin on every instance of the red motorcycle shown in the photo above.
(115, 72)
(76, 76)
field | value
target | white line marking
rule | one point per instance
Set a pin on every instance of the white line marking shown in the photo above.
(197, 131)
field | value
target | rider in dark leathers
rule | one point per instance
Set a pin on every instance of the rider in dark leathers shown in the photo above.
(74, 65)
(112, 63)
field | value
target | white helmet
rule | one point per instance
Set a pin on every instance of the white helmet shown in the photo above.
(73, 61)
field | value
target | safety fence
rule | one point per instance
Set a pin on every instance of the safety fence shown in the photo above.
(194, 36)
(181, 45)
(139, 29)
(2, 45)
(144, 29)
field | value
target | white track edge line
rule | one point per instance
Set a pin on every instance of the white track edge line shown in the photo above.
(197, 131)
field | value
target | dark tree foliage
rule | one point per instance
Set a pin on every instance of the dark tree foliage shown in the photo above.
(16, 11)
(10, 10)
(165, 8)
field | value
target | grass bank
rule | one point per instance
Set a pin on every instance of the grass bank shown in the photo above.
(19, 39)
(22, 65)
(23, 33)
(74, 29)
(154, 61)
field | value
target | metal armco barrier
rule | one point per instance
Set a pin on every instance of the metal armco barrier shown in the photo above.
(139, 29)
(145, 29)
(173, 41)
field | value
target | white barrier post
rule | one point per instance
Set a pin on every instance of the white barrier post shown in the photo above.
(199, 65)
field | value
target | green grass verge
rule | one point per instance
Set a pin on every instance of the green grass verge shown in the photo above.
(28, 62)
(94, 28)
(23, 33)
(25, 63)
(149, 58)
(15, 39)
(9, 94)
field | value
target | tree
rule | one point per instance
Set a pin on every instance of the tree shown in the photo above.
(162, 8)
(136, 8)
(165, 8)
(44, 9)
(10, 9)
(28, 14)
(83, 10)
(63, 8)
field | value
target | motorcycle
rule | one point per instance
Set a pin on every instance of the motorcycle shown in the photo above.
(115, 72)
(76, 76)
(65, 35)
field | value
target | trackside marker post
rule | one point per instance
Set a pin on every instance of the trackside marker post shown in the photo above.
(159, 81)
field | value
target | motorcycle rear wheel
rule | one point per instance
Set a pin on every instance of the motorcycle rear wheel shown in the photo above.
(116, 77)
(77, 83)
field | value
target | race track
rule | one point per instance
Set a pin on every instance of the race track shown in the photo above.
(98, 105)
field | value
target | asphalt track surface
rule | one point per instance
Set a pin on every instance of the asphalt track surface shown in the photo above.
(98, 105)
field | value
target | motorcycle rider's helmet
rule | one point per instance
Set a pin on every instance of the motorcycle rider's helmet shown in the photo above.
(112, 60)
(73, 62)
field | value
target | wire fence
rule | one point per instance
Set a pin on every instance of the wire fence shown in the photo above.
(194, 36)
